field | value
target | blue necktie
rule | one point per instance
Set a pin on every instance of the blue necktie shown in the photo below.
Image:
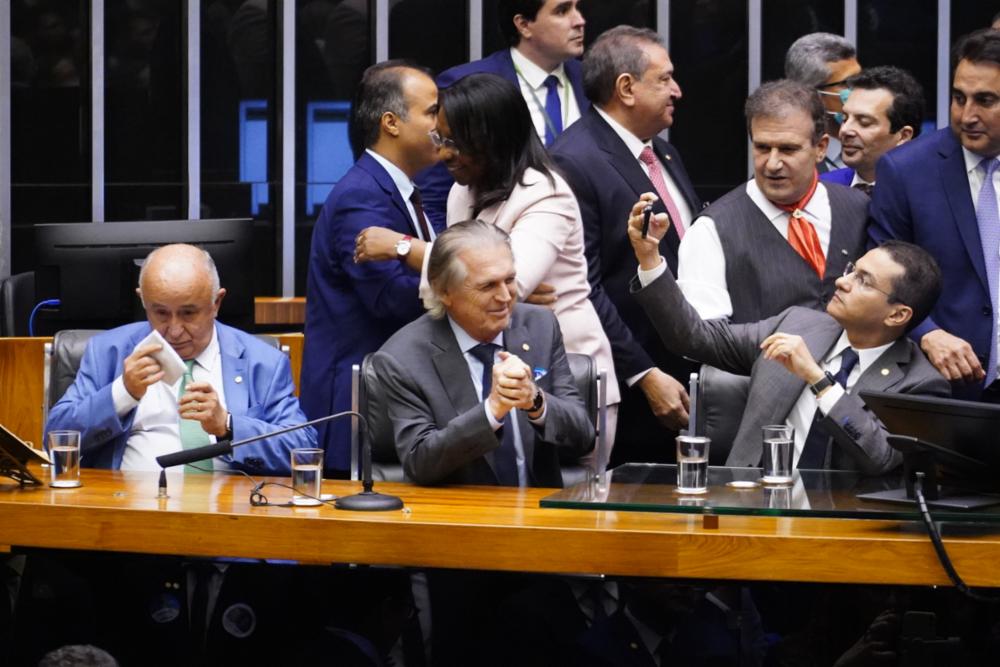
(504, 458)
(553, 109)
(814, 449)
(989, 234)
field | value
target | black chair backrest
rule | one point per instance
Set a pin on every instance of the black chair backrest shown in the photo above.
(68, 347)
(372, 403)
(17, 298)
(722, 400)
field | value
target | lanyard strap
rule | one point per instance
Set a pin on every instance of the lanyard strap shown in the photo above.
(541, 107)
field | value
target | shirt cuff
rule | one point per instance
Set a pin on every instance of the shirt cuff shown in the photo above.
(494, 424)
(123, 401)
(648, 276)
(829, 398)
(631, 381)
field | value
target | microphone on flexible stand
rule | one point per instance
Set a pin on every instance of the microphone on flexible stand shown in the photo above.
(366, 500)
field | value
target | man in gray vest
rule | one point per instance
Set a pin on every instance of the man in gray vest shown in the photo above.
(783, 238)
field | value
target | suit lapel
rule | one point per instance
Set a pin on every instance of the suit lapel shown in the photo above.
(886, 371)
(384, 180)
(451, 367)
(634, 176)
(956, 188)
(668, 156)
(838, 253)
(232, 355)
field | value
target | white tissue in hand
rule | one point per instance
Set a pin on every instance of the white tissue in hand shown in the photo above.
(170, 362)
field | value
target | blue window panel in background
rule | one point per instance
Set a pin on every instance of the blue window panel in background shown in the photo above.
(328, 149)
(253, 151)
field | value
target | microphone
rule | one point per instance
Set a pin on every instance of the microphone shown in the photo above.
(367, 500)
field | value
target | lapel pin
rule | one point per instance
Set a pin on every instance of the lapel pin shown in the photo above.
(843, 251)
(525, 347)
(885, 371)
(668, 157)
(238, 379)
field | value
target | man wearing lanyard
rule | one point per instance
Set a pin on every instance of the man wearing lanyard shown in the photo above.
(545, 38)
(783, 238)
(352, 308)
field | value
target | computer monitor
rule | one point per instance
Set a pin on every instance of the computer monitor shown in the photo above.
(947, 439)
(93, 269)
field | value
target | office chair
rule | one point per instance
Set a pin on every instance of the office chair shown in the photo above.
(722, 400)
(368, 398)
(62, 361)
(17, 298)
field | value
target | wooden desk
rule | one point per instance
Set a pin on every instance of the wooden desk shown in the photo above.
(477, 528)
(279, 310)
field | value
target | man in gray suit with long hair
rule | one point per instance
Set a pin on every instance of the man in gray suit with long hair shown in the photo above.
(479, 391)
(805, 366)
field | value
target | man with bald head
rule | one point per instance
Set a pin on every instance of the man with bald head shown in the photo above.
(235, 386)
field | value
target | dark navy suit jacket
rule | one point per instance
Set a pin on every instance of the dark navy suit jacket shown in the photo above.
(923, 197)
(843, 176)
(351, 309)
(607, 180)
(435, 182)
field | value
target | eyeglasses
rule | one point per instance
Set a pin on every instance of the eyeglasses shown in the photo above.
(842, 94)
(443, 142)
(862, 279)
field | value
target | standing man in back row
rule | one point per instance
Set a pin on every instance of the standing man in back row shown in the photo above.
(545, 38)
(351, 309)
(609, 157)
(783, 238)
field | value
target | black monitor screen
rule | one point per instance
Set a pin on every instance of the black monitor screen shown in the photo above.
(93, 269)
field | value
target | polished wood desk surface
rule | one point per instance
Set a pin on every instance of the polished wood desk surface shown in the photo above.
(478, 528)
(270, 310)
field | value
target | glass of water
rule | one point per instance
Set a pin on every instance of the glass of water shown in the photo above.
(692, 463)
(779, 442)
(307, 474)
(64, 450)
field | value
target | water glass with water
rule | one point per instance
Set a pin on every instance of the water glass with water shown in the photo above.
(307, 475)
(779, 443)
(692, 463)
(64, 450)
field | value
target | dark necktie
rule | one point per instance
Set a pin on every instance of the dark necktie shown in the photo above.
(864, 187)
(553, 109)
(814, 450)
(988, 218)
(418, 208)
(504, 458)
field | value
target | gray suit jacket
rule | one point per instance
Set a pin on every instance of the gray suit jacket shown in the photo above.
(859, 439)
(441, 429)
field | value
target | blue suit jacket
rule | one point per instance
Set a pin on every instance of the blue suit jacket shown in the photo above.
(351, 309)
(435, 182)
(923, 197)
(257, 382)
(843, 176)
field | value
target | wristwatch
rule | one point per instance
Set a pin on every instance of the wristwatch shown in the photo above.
(822, 384)
(403, 247)
(539, 400)
(229, 427)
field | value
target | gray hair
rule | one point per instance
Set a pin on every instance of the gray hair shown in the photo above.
(445, 269)
(209, 266)
(808, 57)
(775, 99)
(617, 51)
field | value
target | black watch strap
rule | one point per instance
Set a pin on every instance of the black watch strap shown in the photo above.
(539, 401)
(822, 384)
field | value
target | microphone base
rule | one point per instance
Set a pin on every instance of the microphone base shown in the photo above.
(369, 501)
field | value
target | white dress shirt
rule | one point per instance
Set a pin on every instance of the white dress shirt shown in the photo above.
(406, 188)
(531, 79)
(801, 416)
(466, 343)
(701, 262)
(976, 181)
(155, 428)
(856, 180)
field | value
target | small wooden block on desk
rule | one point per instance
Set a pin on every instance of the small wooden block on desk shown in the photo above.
(710, 521)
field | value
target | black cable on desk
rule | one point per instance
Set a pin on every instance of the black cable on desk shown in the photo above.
(942, 554)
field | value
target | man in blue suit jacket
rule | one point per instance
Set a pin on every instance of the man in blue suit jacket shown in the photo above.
(599, 157)
(545, 38)
(351, 308)
(240, 387)
(930, 192)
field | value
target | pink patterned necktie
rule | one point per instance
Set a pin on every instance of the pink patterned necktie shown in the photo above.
(648, 158)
